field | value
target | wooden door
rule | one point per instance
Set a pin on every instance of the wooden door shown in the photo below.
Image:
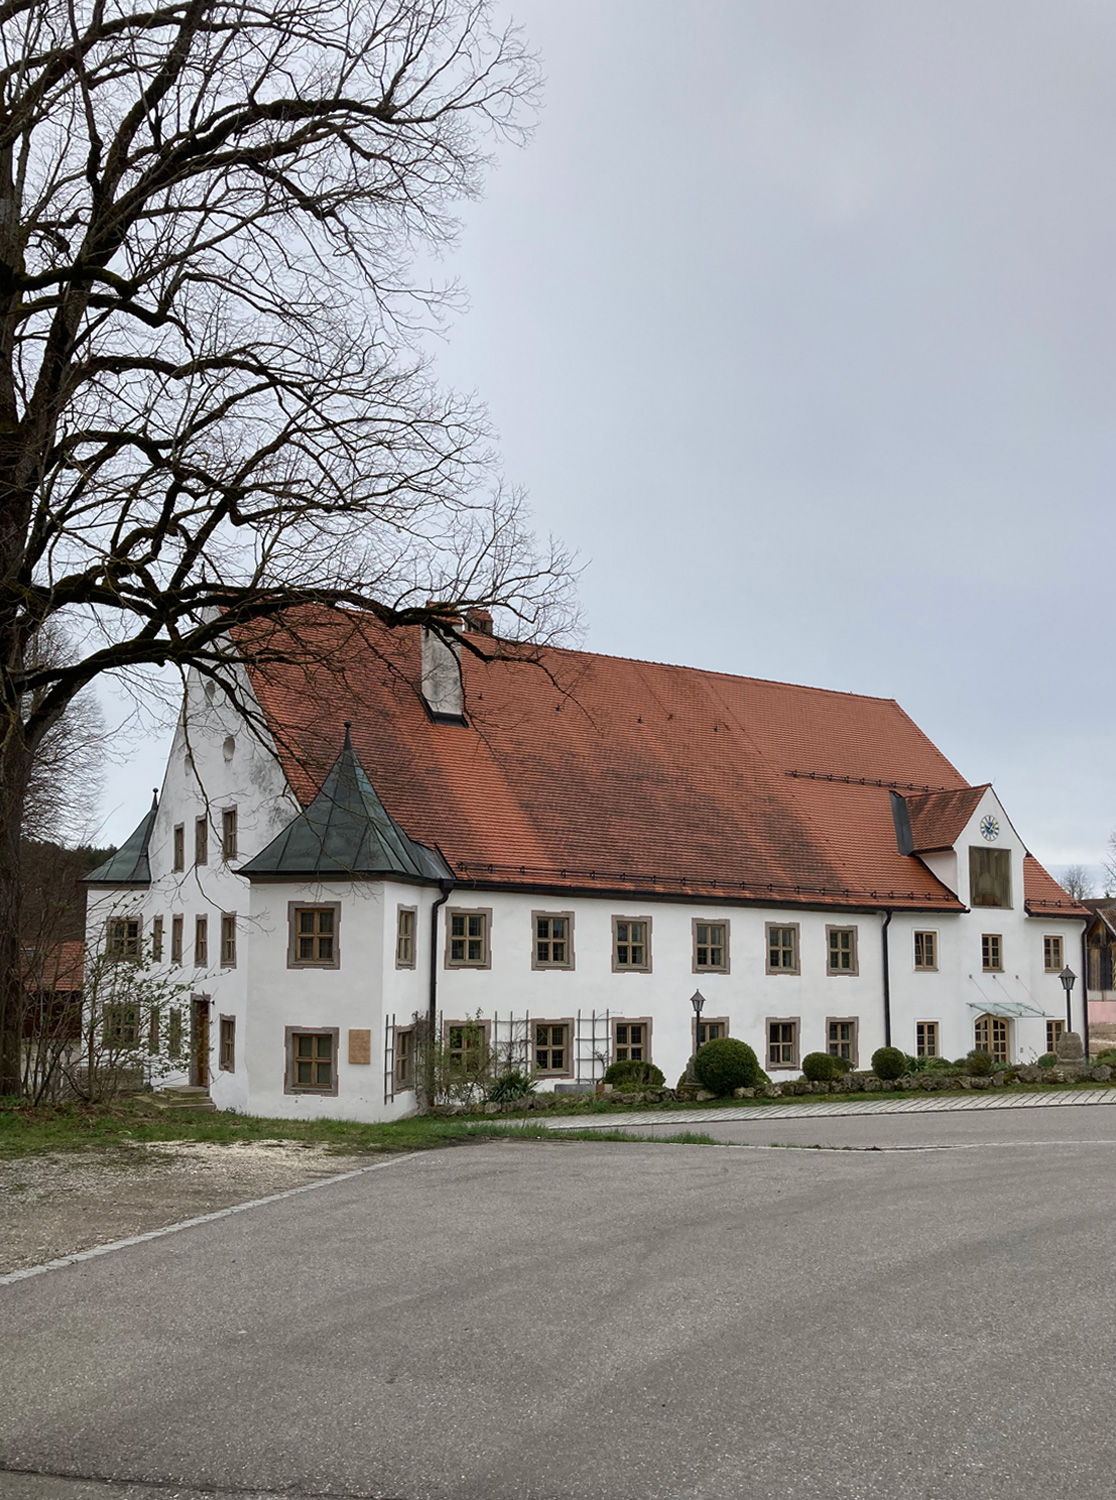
(199, 1042)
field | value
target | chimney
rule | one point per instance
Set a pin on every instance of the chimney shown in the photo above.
(479, 621)
(441, 677)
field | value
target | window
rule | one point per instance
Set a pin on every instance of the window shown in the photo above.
(991, 953)
(174, 1034)
(405, 937)
(404, 1058)
(467, 939)
(842, 1039)
(123, 937)
(180, 846)
(631, 951)
(153, 1030)
(157, 940)
(467, 1044)
(226, 1054)
(842, 950)
(228, 833)
(228, 940)
(710, 947)
(311, 1061)
(314, 936)
(176, 940)
(201, 942)
(711, 1030)
(926, 953)
(1052, 958)
(989, 877)
(201, 841)
(1054, 1030)
(631, 1041)
(782, 1043)
(990, 1034)
(782, 949)
(553, 940)
(926, 1039)
(552, 1047)
(120, 1025)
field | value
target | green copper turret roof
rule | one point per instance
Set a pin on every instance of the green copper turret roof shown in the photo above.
(129, 865)
(345, 831)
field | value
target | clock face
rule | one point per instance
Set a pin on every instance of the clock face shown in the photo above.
(989, 827)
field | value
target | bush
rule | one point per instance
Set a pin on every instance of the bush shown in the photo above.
(888, 1063)
(913, 1064)
(979, 1064)
(1107, 1057)
(510, 1086)
(819, 1067)
(939, 1065)
(725, 1064)
(841, 1065)
(1048, 1060)
(629, 1076)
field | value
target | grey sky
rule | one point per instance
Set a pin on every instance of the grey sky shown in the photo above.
(796, 319)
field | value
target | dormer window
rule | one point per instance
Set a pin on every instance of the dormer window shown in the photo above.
(989, 877)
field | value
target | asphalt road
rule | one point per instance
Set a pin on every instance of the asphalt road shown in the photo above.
(567, 1319)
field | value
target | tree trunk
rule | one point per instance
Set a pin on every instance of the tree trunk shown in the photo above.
(14, 764)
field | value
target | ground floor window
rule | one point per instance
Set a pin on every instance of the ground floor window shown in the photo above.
(467, 1043)
(926, 1039)
(1054, 1030)
(711, 1030)
(121, 1026)
(552, 1047)
(990, 1034)
(311, 1061)
(404, 1058)
(227, 1049)
(631, 1041)
(841, 1038)
(782, 1043)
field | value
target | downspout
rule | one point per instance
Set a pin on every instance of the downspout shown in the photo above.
(446, 887)
(1085, 987)
(886, 980)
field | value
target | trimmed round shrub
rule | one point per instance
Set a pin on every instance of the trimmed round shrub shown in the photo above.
(1048, 1060)
(980, 1064)
(725, 1064)
(629, 1076)
(888, 1063)
(841, 1065)
(819, 1067)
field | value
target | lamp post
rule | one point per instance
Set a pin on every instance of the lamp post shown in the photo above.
(697, 1000)
(1068, 978)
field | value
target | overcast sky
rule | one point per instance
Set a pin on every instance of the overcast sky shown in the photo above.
(796, 318)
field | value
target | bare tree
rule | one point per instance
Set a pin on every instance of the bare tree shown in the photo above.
(213, 401)
(67, 770)
(1077, 882)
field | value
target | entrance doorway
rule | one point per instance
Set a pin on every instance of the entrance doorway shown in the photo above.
(990, 1034)
(199, 1041)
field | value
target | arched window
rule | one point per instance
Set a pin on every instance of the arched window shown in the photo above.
(990, 1034)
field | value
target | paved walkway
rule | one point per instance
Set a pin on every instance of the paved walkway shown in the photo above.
(924, 1104)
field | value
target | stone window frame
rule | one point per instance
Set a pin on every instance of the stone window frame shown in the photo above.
(988, 953)
(932, 1034)
(201, 941)
(226, 1044)
(617, 966)
(721, 1021)
(723, 966)
(925, 968)
(178, 938)
(201, 840)
(484, 912)
(769, 928)
(229, 834)
(545, 965)
(289, 1085)
(1048, 941)
(178, 847)
(484, 1027)
(157, 939)
(854, 1044)
(410, 937)
(400, 1084)
(228, 940)
(567, 1023)
(293, 960)
(842, 973)
(124, 944)
(615, 1045)
(795, 1042)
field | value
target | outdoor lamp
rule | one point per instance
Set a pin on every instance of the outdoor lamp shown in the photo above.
(697, 1000)
(1068, 978)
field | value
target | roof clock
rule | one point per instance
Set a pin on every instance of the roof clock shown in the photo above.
(989, 828)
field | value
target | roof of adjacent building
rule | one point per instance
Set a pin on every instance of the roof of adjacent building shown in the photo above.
(579, 771)
(59, 967)
(345, 831)
(129, 865)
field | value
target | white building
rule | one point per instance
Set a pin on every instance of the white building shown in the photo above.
(569, 847)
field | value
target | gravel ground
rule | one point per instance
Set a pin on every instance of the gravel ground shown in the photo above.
(54, 1205)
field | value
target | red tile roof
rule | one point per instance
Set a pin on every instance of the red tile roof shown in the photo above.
(60, 967)
(597, 772)
(1043, 896)
(937, 818)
